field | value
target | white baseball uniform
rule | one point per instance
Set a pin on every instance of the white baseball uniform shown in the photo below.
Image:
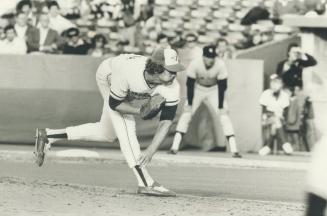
(122, 78)
(206, 88)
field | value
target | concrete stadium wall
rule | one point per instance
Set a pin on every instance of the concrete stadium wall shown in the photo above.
(59, 91)
(271, 53)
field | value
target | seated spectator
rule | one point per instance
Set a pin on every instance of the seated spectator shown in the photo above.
(2, 34)
(70, 8)
(25, 6)
(22, 28)
(162, 40)
(75, 45)
(58, 22)
(224, 50)
(274, 102)
(255, 14)
(12, 44)
(191, 46)
(98, 46)
(44, 39)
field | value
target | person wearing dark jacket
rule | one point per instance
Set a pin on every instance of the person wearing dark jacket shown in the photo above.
(291, 69)
(75, 45)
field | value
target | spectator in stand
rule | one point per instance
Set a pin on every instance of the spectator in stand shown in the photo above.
(192, 49)
(44, 39)
(162, 40)
(98, 46)
(22, 28)
(274, 102)
(282, 7)
(12, 44)
(58, 22)
(25, 6)
(70, 8)
(290, 70)
(2, 34)
(224, 50)
(75, 45)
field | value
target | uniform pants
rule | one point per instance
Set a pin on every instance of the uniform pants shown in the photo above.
(200, 94)
(112, 125)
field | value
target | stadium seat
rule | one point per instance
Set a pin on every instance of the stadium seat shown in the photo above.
(206, 3)
(162, 2)
(184, 2)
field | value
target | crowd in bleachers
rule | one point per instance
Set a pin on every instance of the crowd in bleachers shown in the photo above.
(100, 27)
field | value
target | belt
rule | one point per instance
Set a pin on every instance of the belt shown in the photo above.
(207, 86)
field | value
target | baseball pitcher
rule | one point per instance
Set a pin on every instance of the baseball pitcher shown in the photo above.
(125, 82)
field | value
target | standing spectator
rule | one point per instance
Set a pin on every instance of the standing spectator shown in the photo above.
(12, 44)
(75, 45)
(22, 28)
(274, 102)
(290, 70)
(224, 50)
(43, 39)
(58, 22)
(98, 46)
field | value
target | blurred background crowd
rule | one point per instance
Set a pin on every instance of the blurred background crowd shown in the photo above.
(110, 27)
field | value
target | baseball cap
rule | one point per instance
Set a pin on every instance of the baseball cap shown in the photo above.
(209, 51)
(168, 58)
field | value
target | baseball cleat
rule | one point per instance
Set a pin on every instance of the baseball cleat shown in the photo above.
(156, 190)
(40, 143)
(236, 155)
(288, 149)
(172, 151)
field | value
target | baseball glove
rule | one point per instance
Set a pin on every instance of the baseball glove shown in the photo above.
(152, 107)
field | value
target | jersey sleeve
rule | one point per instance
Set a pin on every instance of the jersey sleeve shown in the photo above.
(191, 70)
(170, 93)
(118, 87)
(222, 70)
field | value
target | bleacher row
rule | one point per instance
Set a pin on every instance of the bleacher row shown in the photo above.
(212, 19)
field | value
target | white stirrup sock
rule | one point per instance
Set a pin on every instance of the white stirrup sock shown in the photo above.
(177, 141)
(232, 144)
(142, 176)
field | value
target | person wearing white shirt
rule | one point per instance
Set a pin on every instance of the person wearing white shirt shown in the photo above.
(274, 102)
(22, 27)
(12, 44)
(58, 22)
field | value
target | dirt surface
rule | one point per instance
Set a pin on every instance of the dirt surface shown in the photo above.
(38, 198)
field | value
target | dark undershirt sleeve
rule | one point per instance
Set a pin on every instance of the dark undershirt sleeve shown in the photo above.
(222, 86)
(168, 113)
(190, 90)
(113, 103)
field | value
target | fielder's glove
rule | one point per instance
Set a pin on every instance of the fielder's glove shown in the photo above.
(152, 107)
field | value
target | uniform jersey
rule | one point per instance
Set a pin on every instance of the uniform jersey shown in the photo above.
(273, 104)
(127, 81)
(207, 77)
